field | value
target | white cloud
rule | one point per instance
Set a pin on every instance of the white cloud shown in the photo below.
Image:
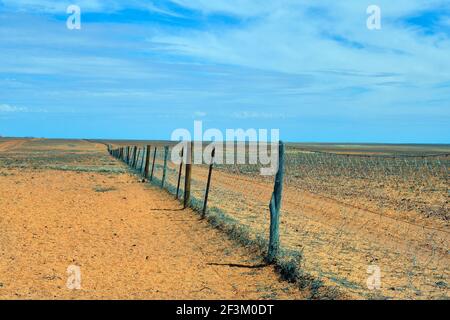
(296, 41)
(7, 108)
(255, 115)
(296, 58)
(103, 6)
(10, 108)
(349, 67)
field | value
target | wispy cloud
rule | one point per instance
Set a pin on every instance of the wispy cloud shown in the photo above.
(253, 60)
(256, 115)
(7, 108)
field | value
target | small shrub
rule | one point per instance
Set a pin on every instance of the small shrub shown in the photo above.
(104, 189)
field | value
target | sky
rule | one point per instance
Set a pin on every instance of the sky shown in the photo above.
(142, 69)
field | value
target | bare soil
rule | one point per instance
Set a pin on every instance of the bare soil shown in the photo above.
(131, 240)
(340, 240)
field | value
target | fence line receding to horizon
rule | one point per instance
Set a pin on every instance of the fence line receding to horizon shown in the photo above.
(339, 213)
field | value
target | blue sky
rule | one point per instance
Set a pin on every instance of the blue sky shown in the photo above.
(141, 69)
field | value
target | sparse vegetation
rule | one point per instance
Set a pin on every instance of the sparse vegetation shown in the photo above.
(102, 189)
(340, 213)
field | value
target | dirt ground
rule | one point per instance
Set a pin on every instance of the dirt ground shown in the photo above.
(130, 240)
(339, 241)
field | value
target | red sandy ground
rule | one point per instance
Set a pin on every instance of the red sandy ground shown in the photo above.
(131, 241)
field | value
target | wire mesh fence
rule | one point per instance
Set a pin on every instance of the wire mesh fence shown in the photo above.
(344, 214)
(348, 212)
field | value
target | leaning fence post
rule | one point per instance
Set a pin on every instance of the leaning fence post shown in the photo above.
(166, 154)
(274, 206)
(187, 176)
(153, 165)
(141, 167)
(147, 161)
(213, 153)
(179, 173)
(134, 156)
(137, 158)
(130, 155)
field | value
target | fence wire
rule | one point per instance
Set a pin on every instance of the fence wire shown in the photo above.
(345, 214)
(349, 212)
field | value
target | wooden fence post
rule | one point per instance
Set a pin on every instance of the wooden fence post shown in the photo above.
(179, 173)
(141, 167)
(166, 154)
(187, 176)
(205, 203)
(274, 206)
(153, 165)
(130, 158)
(147, 161)
(134, 156)
(137, 158)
